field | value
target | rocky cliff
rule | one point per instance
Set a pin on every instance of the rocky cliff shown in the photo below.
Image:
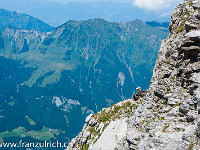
(17, 41)
(168, 117)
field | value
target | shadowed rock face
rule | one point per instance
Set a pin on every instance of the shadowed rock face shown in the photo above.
(168, 117)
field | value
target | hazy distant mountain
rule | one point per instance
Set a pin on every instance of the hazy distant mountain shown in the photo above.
(78, 68)
(158, 24)
(56, 14)
(22, 21)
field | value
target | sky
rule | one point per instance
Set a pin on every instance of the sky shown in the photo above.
(146, 4)
(156, 5)
(57, 12)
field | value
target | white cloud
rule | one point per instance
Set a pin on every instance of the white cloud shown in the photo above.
(155, 4)
(165, 14)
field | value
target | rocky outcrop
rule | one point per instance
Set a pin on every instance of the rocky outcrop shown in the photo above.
(168, 117)
(18, 41)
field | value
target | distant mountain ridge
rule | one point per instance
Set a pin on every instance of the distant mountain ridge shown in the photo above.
(158, 24)
(22, 21)
(77, 69)
(56, 14)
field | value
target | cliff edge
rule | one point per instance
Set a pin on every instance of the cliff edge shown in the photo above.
(168, 117)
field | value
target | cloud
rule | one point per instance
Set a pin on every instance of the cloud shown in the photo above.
(165, 14)
(155, 4)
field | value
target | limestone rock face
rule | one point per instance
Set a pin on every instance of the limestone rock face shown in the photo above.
(168, 116)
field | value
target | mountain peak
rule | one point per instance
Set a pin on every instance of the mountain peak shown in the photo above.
(22, 21)
(168, 116)
(158, 24)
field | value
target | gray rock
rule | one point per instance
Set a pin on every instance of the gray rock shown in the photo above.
(173, 101)
(174, 112)
(90, 120)
(195, 35)
(168, 95)
(189, 26)
(184, 108)
(191, 52)
(84, 137)
(190, 117)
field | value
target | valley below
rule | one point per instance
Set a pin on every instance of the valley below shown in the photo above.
(51, 81)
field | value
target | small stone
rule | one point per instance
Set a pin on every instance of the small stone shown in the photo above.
(84, 137)
(172, 101)
(190, 117)
(189, 26)
(184, 108)
(168, 95)
(90, 120)
(174, 112)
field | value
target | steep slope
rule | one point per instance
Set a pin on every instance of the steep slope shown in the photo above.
(22, 21)
(77, 69)
(18, 41)
(93, 52)
(168, 117)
